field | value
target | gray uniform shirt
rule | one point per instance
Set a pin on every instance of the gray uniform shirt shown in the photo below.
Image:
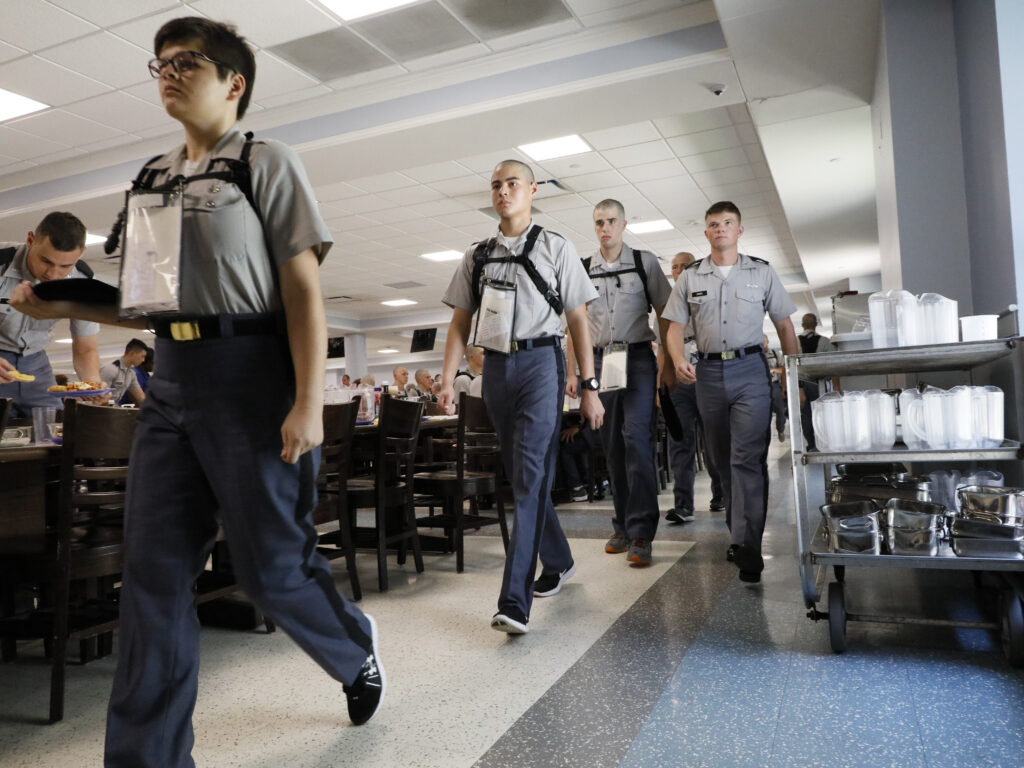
(728, 314)
(558, 264)
(225, 265)
(119, 377)
(620, 313)
(18, 332)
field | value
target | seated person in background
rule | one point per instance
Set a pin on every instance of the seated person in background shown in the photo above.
(120, 374)
(422, 385)
(142, 372)
(346, 381)
(368, 381)
(474, 367)
(401, 379)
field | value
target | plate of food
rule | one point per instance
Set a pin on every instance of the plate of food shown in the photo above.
(79, 389)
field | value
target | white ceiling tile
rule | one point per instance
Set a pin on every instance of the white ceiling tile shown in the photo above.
(739, 113)
(754, 153)
(648, 152)
(705, 141)
(723, 176)
(63, 127)
(274, 77)
(662, 169)
(105, 13)
(169, 129)
(411, 195)
(437, 172)
(574, 165)
(463, 219)
(56, 157)
(39, 22)
(273, 22)
(729, 191)
(121, 110)
(668, 187)
(709, 161)
(475, 201)
(623, 135)
(365, 203)
(148, 92)
(624, 194)
(25, 146)
(47, 82)
(589, 181)
(382, 182)
(747, 133)
(439, 207)
(463, 185)
(537, 34)
(339, 191)
(418, 226)
(103, 57)
(118, 141)
(397, 215)
(486, 162)
(564, 202)
(8, 52)
(463, 53)
(292, 97)
(21, 165)
(693, 122)
(350, 223)
(141, 31)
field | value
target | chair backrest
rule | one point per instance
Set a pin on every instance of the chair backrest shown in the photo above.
(5, 412)
(476, 442)
(398, 431)
(339, 435)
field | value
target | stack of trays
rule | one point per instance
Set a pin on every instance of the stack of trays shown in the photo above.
(991, 523)
(913, 527)
(879, 487)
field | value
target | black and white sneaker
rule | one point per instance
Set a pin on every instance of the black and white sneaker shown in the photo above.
(510, 621)
(579, 493)
(367, 691)
(679, 515)
(551, 583)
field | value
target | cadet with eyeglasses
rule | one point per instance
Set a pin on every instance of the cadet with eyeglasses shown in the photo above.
(233, 416)
(629, 283)
(723, 299)
(519, 283)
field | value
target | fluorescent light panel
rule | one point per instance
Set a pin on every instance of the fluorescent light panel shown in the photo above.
(91, 239)
(387, 351)
(645, 227)
(442, 256)
(564, 146)
(63, 341)
(398, 303)
(356, 9)
(14, 105)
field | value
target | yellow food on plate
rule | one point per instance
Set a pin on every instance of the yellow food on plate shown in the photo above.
(19, 376)
(75, 386)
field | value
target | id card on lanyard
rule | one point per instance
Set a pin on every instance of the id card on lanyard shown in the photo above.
(613, 367)
(496, 317)
(150, 280)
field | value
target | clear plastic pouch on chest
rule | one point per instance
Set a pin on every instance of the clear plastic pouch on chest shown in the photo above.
(496, 317)
(151, 264)
(613, 367)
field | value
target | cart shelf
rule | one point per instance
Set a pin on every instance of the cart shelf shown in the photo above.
(1008, 451)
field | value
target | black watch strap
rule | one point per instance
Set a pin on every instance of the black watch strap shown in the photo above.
(592, 384)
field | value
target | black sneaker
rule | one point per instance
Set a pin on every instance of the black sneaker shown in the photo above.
(510, 620)
(750, 577)
(679, 515)
(730, 553)
(551, 583)
(749, 560)
(367, 691)
(579, 493)
(717, 505)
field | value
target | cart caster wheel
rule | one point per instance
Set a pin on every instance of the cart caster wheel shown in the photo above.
(840, 573)
(837, 617)
(1012, 634)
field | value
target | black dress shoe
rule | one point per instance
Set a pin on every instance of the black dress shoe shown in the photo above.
(751, 577)
(748, 559)
(717, 505)
(730, 553)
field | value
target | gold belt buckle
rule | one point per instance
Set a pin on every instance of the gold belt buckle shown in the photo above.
(729, 354)
(185, 331)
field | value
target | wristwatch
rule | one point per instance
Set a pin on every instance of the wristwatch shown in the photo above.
(592, 384)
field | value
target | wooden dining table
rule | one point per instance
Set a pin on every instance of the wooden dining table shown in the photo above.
(28, 477)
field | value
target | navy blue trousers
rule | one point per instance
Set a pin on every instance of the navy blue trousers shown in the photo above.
(734, 397)
(207, 449)
(683, 452)
(524, 393)
(30, 394)
(627, 437)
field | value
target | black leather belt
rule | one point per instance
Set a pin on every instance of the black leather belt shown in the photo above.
(218, 327)
(624, 345)
(731, 354)
(520, 344)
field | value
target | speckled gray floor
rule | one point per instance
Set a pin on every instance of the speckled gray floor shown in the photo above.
(680, 665)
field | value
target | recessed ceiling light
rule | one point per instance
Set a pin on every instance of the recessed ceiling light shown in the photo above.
(356, 9)
(442, 256)
(63, 341)
(14, 105)
(91, 239)
(552, 148)
(398, 303)
(645, 227)
(387, 351)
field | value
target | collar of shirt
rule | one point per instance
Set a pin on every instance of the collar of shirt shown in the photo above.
(174, 161)
(625, 260)
(18, 268)
(707, 266)
(512, 245)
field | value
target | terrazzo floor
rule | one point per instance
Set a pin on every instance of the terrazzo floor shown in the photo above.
(676, 665)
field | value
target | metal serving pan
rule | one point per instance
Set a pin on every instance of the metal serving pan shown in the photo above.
(995, 505)
(996, 549)
(880, 488)
(852, 527)
(965, 527)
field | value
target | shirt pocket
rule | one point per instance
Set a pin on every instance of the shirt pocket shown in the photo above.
(698, 303)
(531, 306)
(214, 229)
(750, 305)
(631, 284)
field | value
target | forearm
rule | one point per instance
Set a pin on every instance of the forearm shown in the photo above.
(85, 358)
(583, 347)
(455, 345)
(307, 335)
(675, 342)
(570, 356)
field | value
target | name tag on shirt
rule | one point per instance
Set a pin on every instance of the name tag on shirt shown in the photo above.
(695, 294)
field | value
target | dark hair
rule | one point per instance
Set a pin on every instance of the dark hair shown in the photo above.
(218, 41)
(526, 170)
(65, 231)
(724, 206)
(135, 345)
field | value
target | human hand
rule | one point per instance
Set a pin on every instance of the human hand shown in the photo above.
(685, 372)
(302, 430)
(572, 385)
(592, 409)
(446, 399)
(5, 371)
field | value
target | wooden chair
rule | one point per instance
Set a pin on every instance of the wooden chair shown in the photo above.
(332, 487)
(82, 552)
(478, 471)
(389, 488)
(5, 412)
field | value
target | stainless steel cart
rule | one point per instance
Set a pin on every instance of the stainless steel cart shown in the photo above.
(811, 472)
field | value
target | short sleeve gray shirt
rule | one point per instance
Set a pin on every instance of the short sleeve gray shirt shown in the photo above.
(18, 332)
(620, 312)
(226, 265)
(120, 377)
(728, 313)
(559, 266)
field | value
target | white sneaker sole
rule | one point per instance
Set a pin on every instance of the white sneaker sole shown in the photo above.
(558, 587)
(374, 638)
(503, 623)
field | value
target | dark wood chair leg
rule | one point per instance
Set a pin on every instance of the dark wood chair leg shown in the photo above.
(382, 549)
(460, 522)
(347, 543)
(410, 523)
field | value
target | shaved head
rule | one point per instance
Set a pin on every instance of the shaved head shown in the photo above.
(525, 171)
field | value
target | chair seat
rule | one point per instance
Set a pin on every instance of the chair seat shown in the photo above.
(442, 483)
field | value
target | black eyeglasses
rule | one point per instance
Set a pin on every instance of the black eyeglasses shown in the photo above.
(182, 62)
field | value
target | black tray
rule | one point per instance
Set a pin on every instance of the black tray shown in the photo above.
(87, 290)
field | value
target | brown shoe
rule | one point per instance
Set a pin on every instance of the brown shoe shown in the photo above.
(617, 544)
(639, 553)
